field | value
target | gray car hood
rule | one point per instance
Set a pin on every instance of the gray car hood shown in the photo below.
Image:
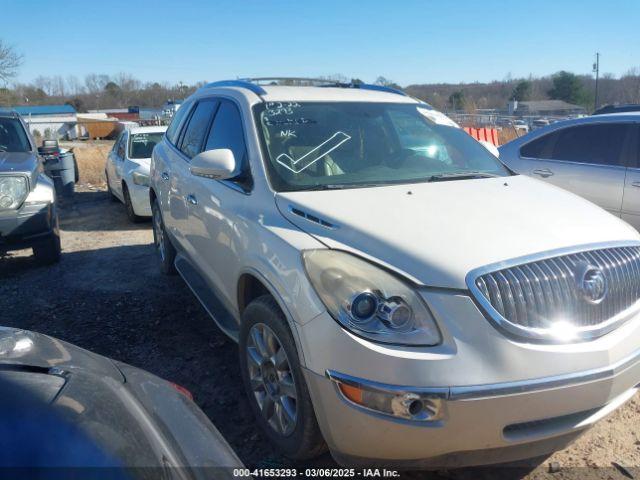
(20, 162)
(23, 162)
(435, 233)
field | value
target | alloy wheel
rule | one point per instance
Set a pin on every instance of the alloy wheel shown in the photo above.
(271, 377)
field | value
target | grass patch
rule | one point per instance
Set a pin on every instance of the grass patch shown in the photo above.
(92, 158)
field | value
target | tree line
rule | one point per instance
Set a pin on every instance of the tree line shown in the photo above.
(96, 91)
(567, 86)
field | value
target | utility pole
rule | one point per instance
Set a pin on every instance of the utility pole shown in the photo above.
(596, 69)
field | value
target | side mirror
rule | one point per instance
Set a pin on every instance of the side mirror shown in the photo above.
(219, 164)
(491, 147)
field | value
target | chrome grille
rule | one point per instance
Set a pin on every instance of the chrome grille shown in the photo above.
(546, 298)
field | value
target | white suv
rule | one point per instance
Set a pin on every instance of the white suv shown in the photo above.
(396, 291)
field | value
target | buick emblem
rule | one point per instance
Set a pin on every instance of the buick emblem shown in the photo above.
(592, 283)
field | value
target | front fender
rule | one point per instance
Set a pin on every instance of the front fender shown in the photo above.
(43, 192)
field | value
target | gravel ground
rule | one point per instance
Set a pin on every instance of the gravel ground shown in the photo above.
(107, 295)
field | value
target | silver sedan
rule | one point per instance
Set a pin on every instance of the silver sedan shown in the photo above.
(595, 157)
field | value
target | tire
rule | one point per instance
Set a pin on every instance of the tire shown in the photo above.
(131, 213)
(298, 436)
(48, 251)
(76, 172)
(162, 244)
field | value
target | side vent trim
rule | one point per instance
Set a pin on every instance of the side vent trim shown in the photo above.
(312, 218)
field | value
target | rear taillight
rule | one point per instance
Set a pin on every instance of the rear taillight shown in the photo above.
(182, 390)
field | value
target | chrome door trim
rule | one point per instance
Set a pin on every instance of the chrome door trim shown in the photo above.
(538, 334)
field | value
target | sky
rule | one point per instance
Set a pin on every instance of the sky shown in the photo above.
(412, 41)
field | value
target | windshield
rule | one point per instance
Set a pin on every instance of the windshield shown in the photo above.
(314, 145)
(13, 138)
(141, 144)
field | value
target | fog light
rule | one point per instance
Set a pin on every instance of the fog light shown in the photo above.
(424, 407)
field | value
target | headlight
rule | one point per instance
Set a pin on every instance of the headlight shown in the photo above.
(368, 300)
(140, 179)
(13, 191)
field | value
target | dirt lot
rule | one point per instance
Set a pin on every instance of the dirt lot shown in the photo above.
(108, 296)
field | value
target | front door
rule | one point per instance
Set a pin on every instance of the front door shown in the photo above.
(587, 160)
(179, 193)
(216, 215)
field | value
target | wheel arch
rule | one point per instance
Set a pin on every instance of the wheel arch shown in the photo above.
(152, 195)
(251, 285)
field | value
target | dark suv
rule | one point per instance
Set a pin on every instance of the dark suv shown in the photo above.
(28, 216)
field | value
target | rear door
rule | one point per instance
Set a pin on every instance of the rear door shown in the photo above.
(631, 199)
(164, 156)
(587, 160)
(119, 163)
(113, 161)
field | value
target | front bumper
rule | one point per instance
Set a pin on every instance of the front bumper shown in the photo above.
(27, 226)
(139, 195)
(33, 222)
(503, 400)
(471, 431)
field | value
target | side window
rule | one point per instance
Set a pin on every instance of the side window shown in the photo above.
(116, 144)
(174, 127)
(196, 130)
(599, 144)
(121, 144)
(227, 132)
(540, 147)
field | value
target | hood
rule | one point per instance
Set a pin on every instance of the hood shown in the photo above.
(22, 348)
(142, 161)
(435, 233)
(19, 162)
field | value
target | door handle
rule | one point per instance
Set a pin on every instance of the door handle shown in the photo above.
(164, 176)
(635, 184)
(543, 172)
(191, 199)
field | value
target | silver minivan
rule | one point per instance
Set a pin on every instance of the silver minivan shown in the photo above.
(594, 157)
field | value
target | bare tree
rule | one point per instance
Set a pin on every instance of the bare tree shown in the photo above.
(44, 83)
(10, 60)
(95, 83)
(74, 86)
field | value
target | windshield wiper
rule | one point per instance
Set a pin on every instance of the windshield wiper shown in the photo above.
(442, 177)
(334, 186)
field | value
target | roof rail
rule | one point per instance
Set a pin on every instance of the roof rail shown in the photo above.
(254, 84)
(285, 80)
(255, 88)
(380, 88)
(367, 86)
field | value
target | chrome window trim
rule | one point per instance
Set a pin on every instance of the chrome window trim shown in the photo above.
(474, 392)
(571, 162)
(538, 334)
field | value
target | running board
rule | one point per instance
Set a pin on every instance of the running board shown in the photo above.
(214, 307)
